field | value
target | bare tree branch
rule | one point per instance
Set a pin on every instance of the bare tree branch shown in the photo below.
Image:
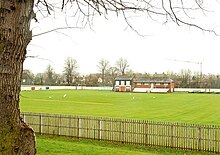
(37, 57)
(56, 29)
(170, 10)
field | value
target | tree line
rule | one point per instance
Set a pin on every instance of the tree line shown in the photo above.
(106, 74)
(70, 76)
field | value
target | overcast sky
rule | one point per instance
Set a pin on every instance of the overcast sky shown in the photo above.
(111, 39)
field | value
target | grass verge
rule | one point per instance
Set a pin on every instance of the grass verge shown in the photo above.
(50, 145)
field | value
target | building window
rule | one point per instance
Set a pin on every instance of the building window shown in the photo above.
(122, 83)
(128, 83)
(117, 83)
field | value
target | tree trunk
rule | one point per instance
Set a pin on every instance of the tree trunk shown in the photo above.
(16, 137)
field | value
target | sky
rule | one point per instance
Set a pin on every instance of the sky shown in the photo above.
(162, 47)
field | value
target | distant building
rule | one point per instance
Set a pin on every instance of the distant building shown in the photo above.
(150, 85)
(123, 84)
(154, 85)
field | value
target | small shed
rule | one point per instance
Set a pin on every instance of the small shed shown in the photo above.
(123, 84)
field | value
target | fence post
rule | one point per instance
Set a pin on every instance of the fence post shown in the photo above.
(100, 129)
(40, 124)
(199, 138)
(146, 139)
(171, 136)
(59, 124)
(70, 125)
(78, 127)
(122, 131)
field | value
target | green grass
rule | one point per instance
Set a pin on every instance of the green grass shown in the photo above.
(47, 145)
(174, 107)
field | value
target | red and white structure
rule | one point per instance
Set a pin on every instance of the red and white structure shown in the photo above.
(148, 85)
(123, 84)
(154, 85)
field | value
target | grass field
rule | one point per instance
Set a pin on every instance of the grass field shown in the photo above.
(48, 145)
(175, 107)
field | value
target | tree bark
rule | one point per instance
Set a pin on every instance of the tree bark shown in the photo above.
(16, 137)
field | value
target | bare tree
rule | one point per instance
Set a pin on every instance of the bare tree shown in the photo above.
(27, 77)
(69, 71)
(103, 66)
(49, 75)
(185, 77)
(113, 72)
(122, 65)
(130, 72)
(39, 78)
(16, 137)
